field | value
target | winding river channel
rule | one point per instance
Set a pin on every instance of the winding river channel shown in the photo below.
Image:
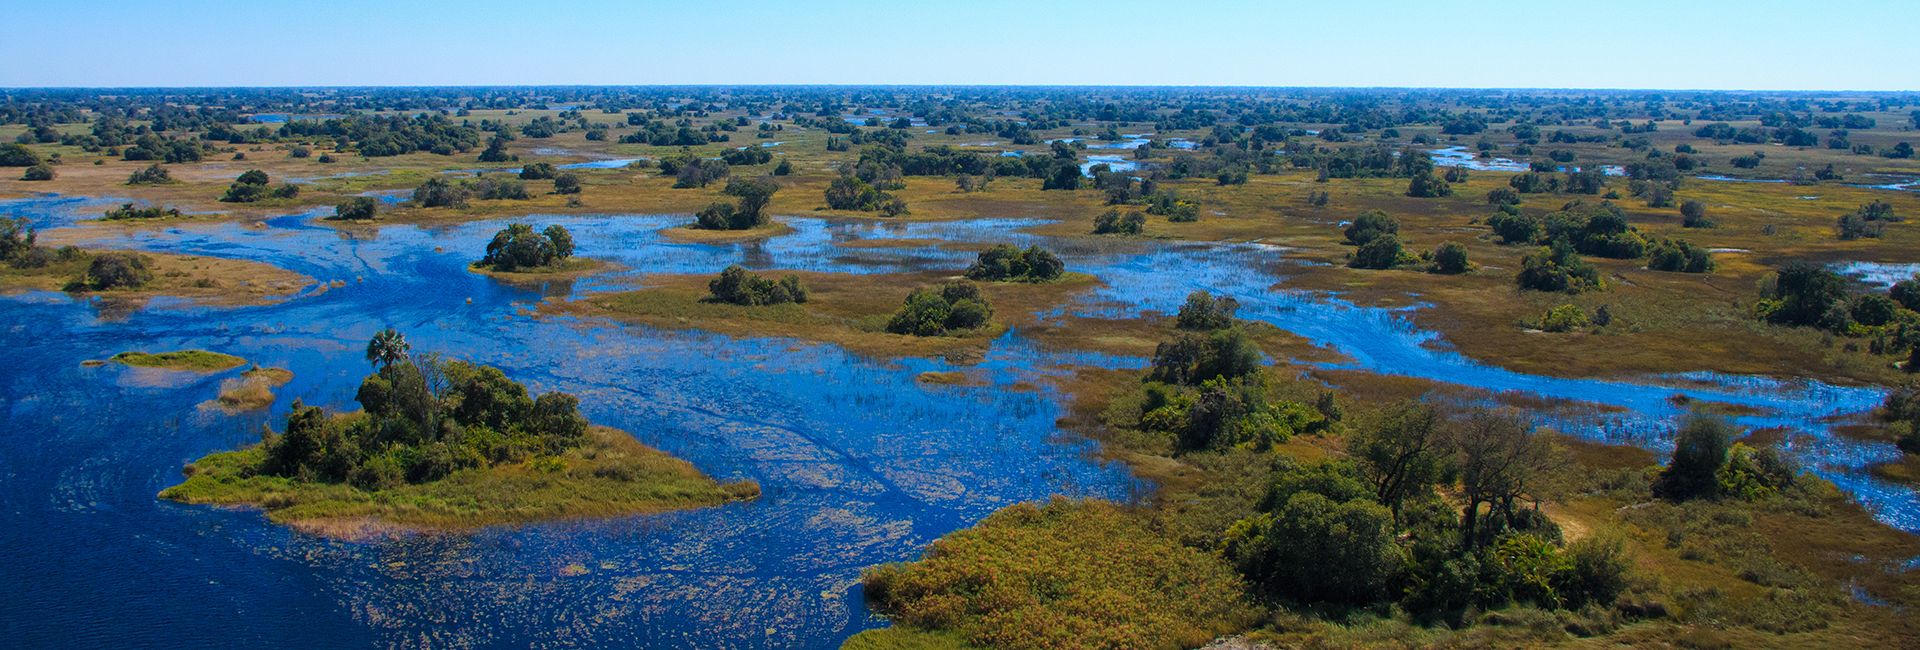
(860, 463)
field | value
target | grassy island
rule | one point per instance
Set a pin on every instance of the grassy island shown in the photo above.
(26, 265)
(518, 252)
(192, 360)
(478, 451)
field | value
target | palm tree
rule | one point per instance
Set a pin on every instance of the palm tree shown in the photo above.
(387, 347)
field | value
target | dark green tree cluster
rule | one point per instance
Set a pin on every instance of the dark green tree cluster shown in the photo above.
(152, 174)
(130, 211)
(952, 307)
(1204, 312)
(1374, 529)
(252, 186)
(1707, 464)
(1371, 225)
(1450, 258)
(1007, 263)
(439, 193)
(689, 170)
(115, 270)
(1678, 256)
(1112, 222)
(154, 147)
(539, 171)
(17, 155)
(850, 192)
(1425, 185)
(736, 285)
(1558, 268)
(392, 135)
(749, 211)
(39, 172)
(359, 208)
(424, 418)
(518, 247)
(1600, 230)
(1869, 221)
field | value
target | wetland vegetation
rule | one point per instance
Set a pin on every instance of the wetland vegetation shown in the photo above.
(1394, 368)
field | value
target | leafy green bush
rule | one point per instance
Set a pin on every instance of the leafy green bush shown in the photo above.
(1380, 252)
(1450, 258)
(1699, 450)
(116, 270)
(955, 307)
(1203, 312)
(1113, 223)
(1678, 256)
(1563, 318)
(1370, 225)
(739, 286)
(1005, 263)
(518, 247)
(1558, 268)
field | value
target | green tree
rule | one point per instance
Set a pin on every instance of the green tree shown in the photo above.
(359, 208)
(754, 195)
(1370, 225)
(387, 347)
(1699, 450)
(1450, 258)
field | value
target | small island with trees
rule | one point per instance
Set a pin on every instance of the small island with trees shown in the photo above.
(518, 252)
(444, 444)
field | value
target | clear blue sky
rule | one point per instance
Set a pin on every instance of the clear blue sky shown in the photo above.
(1744, 44)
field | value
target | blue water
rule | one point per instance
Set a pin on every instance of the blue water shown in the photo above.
(860, 464)
(1460, 156)
(1878, 275)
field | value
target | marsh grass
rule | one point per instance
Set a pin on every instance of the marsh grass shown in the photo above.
(252, 390)
(1067, 574)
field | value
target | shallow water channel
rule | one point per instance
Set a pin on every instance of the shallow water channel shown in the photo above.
(860, 463)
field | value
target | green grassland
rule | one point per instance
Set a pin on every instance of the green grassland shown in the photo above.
(193, 360)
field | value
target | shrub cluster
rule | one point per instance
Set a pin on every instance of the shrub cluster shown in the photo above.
(252, 186)
(1006, 263)
(953, 307)
(517, 247)
(736, 285)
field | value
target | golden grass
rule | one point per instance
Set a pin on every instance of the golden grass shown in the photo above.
(252, 390)
(703, 236)
(847, 310)
(205, 280)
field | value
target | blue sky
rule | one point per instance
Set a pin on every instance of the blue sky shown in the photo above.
(1750, 44)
